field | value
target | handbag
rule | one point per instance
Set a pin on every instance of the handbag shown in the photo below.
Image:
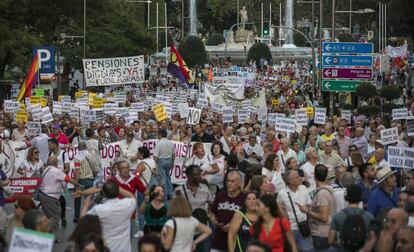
(36, 193)
(303, 226)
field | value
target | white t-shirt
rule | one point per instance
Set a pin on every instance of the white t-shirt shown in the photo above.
(62, 160)
(256, 149)
(146, 174)
(184, 235)
(301, 196)
(31, 168)
(204, 163)
(309, 170)
(218, 178)
(283, 158)
(115, 216)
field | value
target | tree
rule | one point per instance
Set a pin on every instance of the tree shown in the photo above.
(346, 37)
(193, 51)
(258, 51)
(366, 90)
(215, 39)
(389, 92)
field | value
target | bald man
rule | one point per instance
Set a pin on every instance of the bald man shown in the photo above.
(360, 141)
(397, 219)
(405, 241)
(53, 184)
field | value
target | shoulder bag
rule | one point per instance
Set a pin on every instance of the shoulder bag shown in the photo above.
(303, 226)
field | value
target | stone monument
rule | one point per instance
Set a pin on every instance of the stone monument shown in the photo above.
(243, 35)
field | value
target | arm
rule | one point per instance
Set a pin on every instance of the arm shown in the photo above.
(234, 228)
(332, 237)
(167, 237)
(321, 216)
(291, 239)
(213, 169)
(144, 203)
(86, 204)
(126, 194)
(205, 233)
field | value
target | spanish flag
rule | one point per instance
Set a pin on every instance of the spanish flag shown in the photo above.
(178, 68)
(31, 79)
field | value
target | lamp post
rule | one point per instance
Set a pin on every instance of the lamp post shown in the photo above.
(313, 15)
(361, 11)
(148, 8)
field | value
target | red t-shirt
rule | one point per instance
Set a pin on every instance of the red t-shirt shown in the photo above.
(275, 239)
(133, 184)
(62, 138)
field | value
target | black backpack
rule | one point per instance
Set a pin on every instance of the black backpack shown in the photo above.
(354, 231)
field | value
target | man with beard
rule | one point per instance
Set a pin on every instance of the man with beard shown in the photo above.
(367, 182)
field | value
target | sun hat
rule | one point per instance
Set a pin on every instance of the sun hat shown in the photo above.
(383, 173)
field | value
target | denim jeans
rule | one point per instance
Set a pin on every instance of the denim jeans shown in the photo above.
(164, 167)
(304, 243)
(87, 183)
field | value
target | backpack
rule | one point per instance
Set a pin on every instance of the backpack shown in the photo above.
(354, 231)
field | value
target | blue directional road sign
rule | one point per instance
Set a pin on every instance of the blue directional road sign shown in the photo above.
(347, 48)
(347, 61)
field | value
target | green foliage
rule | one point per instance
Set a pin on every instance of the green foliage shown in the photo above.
(370, 110)
(299, 40)
(215, 39)
(366, 90)
(390, 92)
(161, 42)
(388, 107)
(346, 37)
(193, 51)
(257, 51)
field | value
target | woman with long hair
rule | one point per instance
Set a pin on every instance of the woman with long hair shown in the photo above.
(177, 234)
(304, 137)
(146, 168)
(293, 164)
(271, 171)
(154, 209)
(239, 235)
(271, 227)
(32, 165)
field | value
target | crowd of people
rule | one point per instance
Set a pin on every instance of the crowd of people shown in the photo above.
(248, 186)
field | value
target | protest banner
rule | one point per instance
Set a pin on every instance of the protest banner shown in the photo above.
(22, 116)
(24, 186)
(39, 92)
(194, 115)
(114, 71)
(400, 113)
(35, 100)
(160, 112)
(309, 112)
(320, 116)
(217, 108)
(11, 106)
(138, 106)
(227, 114)
(410, 126)
(275, 102)
(301, 117)
(202, 103)
(389, 136)
(34, 128)
(401, 157)
(87, 115)
(261, 114)
(43, 102)
(25, 240)
(110, 108)
(182, 151)
(183, 109)
(285, 124)
(242, 116)
(345, 113)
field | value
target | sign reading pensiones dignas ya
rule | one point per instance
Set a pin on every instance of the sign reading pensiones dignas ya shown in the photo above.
(114, 71)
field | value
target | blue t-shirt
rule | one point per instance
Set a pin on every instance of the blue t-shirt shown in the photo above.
(379, 200)
(366, 192)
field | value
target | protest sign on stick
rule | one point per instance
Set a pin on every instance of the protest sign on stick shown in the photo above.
(389, 136)
(194, 115)
(320, 115)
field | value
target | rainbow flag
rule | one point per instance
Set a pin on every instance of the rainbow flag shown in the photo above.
(31, 78)
(178, 68)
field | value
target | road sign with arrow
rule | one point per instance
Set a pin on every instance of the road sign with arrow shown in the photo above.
(340, 86)
(347, 48)
(347, 61)
(346, 73)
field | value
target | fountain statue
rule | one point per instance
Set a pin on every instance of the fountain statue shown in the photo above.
(289, 22)
(243, 17)
(242, 34)
(193, 18)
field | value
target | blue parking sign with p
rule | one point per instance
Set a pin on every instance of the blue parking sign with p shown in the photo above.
(46, 59)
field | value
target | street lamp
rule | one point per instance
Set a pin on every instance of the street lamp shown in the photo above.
(361, 11)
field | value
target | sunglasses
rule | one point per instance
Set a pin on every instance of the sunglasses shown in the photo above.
(36, 152)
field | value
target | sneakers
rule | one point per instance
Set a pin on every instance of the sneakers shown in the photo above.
(139, 234)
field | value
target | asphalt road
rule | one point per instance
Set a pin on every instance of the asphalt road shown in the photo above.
(64, 232)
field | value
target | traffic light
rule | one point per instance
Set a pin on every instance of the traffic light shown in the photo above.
(266, 29)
